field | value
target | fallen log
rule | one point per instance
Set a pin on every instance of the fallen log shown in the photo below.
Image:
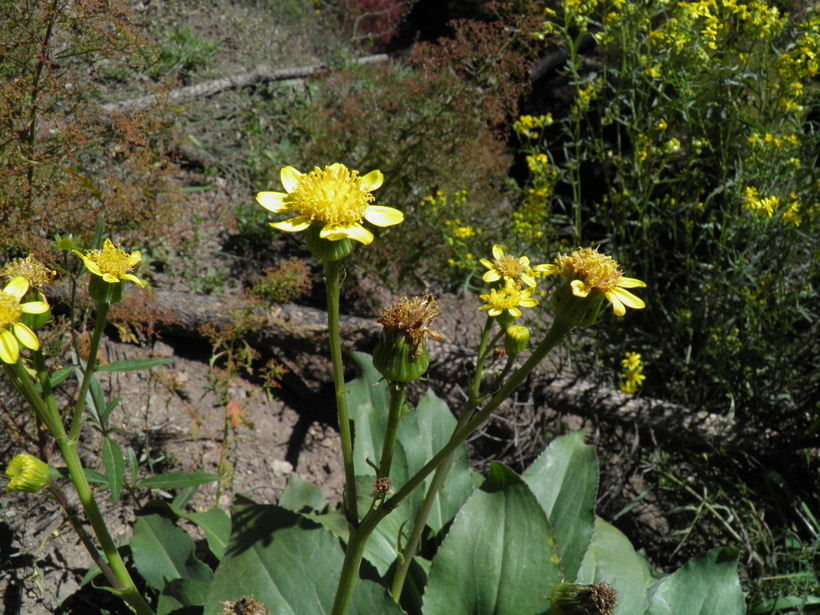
(297, 336)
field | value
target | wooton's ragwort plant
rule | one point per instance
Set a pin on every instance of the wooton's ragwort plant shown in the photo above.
(508, 544)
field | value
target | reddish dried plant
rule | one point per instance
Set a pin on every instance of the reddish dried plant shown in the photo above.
(65, 163)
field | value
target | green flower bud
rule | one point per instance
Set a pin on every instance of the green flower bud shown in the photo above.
(516, 339)
(105, 292)
(569, 599)
(325, 249)
(401, 355)
(27, 473)
(578, 311)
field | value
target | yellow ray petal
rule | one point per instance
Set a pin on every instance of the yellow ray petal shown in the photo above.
(26, 336)
(273, 201)
(34, 307)
(631, 283)
(17, 287)
(383, 216)
(9, 348)
(294, 225)
(290, 178)
(372, 181)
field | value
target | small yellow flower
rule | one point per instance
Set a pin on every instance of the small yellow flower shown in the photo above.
(27, 473)
(111, 264)
(335, 198)
(510, 268)
(588, 271)
(12, 332)
(508, 299)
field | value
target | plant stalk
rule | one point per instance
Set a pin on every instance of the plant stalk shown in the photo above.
(333, 287)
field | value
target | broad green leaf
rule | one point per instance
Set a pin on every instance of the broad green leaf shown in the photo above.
(132, 366)
(421, 434)
(706, 585)
(181, 593)
(216, 525)
(499, 556)
(108, 409)
(289, 563)
(302, 496)
(611, 558)
(163, 552)
(114, 467)
(564, 478)
(177, 480)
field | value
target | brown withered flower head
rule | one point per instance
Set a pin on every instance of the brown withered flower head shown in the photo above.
(412, 317)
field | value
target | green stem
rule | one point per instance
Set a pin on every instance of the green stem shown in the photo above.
(333, 286)
(353, 559)
(397, 395)
(359, 536)
(93, 347)
(558, 330)
(127, 590)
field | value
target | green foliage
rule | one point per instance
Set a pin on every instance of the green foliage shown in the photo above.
(690, 154)
(185, 52)
(284, 283)
(511, 541)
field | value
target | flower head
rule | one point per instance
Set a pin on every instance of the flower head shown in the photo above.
(35, 272)
(510, 268)
(590, 272)
(632, 377)
(27, 473)
(334, 198)
(401, 354)
(508, 299)
(12, 331)
(112, 264)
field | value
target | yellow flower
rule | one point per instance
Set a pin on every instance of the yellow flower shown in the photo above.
(27, 473)
(508, 299)
(12, 332)
(510, 268)
(335, 198)
(632, 361)
(111, 264)
(588, 271)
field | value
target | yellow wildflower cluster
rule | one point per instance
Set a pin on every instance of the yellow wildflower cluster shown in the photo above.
(763, 207)
(632, 377)
(512, 283)
(584, 98)
(791, 215)
(769, 141)
(530, 127)
(798, 64)
(527, 220)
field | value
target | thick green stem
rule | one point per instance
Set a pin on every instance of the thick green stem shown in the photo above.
(126, 590)
(93, 347)
(397, 395)
(333, 286)
(353, 559)
(359, 536)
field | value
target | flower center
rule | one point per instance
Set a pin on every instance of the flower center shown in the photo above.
(10, 311)
(113, 260)
(510, 267)
(331, 196)
(596, 270)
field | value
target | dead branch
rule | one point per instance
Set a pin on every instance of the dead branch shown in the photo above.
(260, 74)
